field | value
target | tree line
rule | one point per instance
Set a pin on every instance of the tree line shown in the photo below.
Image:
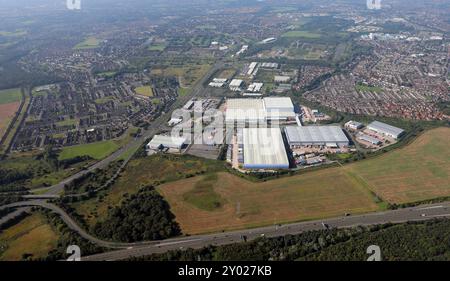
(141, 217)
(428, 240)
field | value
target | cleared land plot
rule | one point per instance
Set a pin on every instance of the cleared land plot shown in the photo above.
(98, 150)
(140, 172)
(243, 204)
(32, 236)
(144, 91)
(419, 171)
(226, 74)
(204, 151)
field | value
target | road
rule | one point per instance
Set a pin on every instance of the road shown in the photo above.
(69, 221)
(419, 213)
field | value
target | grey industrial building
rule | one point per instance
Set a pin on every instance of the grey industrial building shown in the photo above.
(369, 139)
(166, 142)
(331, 136)
(385, 129)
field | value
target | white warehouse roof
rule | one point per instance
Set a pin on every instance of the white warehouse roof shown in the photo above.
(259, 110)
(245, 110)
(279, 78)
(264, 149)
(385, 129)
(236, 83)
(279, 108)
(159, 141)
(278, 102)
(315, 135)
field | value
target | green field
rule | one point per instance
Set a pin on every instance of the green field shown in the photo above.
(103, 100)
(184, 91)
(67, 122)
(33, 237)
(187, 74)
(301, 34)
(417, 172)
(98, 150)
(144, 91)
(312, 53)
(364, 88)
(157, 47)
(44, 173)
(107, 74)
(244, 204)
(203, 195)
(17, 33)
(89, 43)
(10, 96)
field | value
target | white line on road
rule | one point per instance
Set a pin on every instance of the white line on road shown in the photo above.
(433, 207)
(177, 242)
(438, 216)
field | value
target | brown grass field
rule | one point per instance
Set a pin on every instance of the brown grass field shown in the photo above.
(314, 195)
(419, 171)
(7, 112)
(33, 235)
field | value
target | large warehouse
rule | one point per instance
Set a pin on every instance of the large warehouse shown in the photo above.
(259, 110)
(161, 142)
(264, 149)
(244, 111)
(385, 129)
(331, 136)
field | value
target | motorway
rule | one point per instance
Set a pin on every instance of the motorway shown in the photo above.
(424, 212)
(128, 250)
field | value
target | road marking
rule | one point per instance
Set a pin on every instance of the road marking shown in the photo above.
(433, 207)
(437, 216)
(177, 242)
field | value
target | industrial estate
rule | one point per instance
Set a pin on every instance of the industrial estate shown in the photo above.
(267, 134)
(224, 130)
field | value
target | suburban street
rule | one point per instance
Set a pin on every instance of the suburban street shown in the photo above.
(129, 250)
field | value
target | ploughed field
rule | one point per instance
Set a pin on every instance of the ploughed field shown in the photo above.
(222, 201)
